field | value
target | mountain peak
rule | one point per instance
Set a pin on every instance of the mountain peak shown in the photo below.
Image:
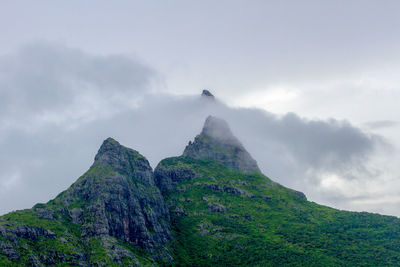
(217, 142)
(217, 129)
(207, 94)
(121, 200)
(108, 145)
(123, 159)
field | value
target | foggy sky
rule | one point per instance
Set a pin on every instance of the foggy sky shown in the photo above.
(310, 88)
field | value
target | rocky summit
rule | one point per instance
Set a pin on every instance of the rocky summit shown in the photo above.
(112, 208)
(217, 142)
(207, 94)
(210, 206)
(117, 197)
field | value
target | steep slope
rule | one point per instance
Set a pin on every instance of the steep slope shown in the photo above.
(217, 142)
(113, 214)
(223, 215)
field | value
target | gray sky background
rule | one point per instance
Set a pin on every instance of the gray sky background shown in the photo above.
(310, 87)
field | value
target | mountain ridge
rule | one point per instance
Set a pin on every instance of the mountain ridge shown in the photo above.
(210, 206)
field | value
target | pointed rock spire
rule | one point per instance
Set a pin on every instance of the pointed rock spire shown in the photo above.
(217, 142)
(207, 94)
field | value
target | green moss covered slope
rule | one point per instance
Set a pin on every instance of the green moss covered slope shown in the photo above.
(222, 217)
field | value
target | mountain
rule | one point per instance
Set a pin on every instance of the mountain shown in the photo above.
(113, 214)
(227, 214)
(211, 206)
(216, 142)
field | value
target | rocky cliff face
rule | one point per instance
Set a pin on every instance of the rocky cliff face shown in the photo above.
(110, 210)
(216, 142)
(118, 197)
(167, 178)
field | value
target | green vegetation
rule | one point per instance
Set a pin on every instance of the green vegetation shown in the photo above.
(267, 224)
(219, 217)
(59, 241)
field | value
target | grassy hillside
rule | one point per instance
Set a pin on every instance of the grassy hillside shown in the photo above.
(228, 218)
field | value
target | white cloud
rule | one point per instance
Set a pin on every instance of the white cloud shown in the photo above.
(51, 83)
(52, 138)
(9, 181)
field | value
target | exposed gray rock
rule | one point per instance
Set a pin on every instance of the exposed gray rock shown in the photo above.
(179, 211)
(241, 182)
(236, 191)
(204, 229)
(76, 215)
(266, 197)
(45, 213)
(248, 217)
(2, 231)
(8, 250)
(299, 194)
(125, 161)
(7, 233)
(32, 232)
(167, 178)
(34, 261)
(213, 187)
(207, 94)
(118, 198)
(215, 207)
(216, 142)
(52, 256)
(226, 189)
(115, 251)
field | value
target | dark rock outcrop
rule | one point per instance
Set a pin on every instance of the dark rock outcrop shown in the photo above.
(216, 142)
(45, 213)
(215, 207)
(167, 178)
(225, 189)
(207, 94)
(117, 197)
(236, 191)
(299, 194)
(32, 232)
(212, 187)
(8, 250)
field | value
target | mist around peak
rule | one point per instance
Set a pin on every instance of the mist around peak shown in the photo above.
(322, 157)
(216, 142)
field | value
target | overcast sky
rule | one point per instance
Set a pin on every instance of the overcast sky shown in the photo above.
(311, 88)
